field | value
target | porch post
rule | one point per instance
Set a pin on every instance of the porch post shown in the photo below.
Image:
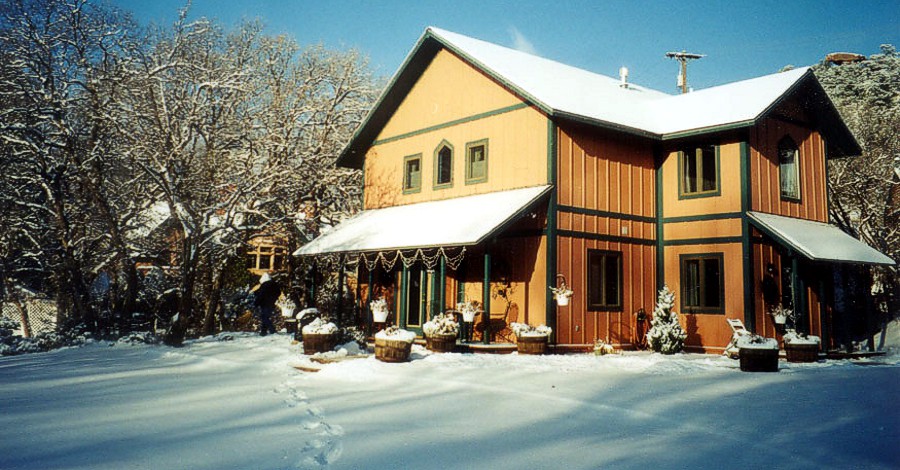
(442, 291)
(486, 298)
(368, 309)
(404, 286)
(312, 283)
(340, 290)
(795, 292)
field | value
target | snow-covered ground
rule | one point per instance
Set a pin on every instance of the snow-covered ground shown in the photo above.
(240, 405)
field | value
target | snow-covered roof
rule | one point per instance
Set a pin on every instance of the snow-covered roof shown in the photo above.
(816, 240)
(459, 221)
(567, 92)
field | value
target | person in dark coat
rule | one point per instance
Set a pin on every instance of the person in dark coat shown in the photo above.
(266, 294)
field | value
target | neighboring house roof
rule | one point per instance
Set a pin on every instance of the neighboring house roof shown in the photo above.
(567, 92)
(461, 221)
(816, 240)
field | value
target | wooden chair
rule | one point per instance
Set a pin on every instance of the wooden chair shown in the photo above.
(738, 330)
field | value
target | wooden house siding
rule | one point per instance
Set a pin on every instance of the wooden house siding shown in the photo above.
(764, 169)
(454, 103)
(606, 201)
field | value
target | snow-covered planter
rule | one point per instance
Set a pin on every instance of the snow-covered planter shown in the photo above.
(531, 339)
(393, 344)
(441, 333)
(799, 347)
(319, 336)
(468, 311)
(780, 314)
(379, 310)
(666, 335)
(758, 354)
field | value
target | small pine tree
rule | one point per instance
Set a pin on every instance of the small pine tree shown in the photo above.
(666, 334)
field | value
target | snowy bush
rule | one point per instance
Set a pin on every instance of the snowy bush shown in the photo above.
(524, 329)
(441, 324)
(602, 348)
(144, 337)
(352, 334)
(13, 345)
(666, 335)
(793, 337)
(320, 327)
(396, 334)
(754, 341)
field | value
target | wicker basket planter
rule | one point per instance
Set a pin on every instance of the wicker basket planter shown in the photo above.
(441, 343)
(392, 350)
(759, 360)
(532, 344)
(317, 343)
(801, 352)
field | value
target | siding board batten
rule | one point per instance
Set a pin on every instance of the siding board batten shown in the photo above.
(746, 248)
(486, 299)
(551, 268)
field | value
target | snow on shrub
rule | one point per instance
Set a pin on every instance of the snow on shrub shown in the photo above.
(666, 335)
(524, 329)
(11, 345)
(396, 334)
(793, 337)
(754, 341)
(144, 337)
(320, 327)
(441, 324)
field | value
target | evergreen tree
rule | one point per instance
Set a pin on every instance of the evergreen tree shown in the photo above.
(666, 334)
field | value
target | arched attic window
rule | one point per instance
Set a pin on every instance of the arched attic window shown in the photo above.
(789, 168)
(443, 165)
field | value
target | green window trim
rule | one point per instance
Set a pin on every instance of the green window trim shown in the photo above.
(787, 146)
(471, 153)
(699, 300)
(441, 167)
(412, 173)
(683, 193)
(599, 291)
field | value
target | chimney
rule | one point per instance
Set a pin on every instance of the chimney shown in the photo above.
(623, 76)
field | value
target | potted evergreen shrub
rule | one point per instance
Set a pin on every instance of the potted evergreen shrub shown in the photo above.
(531, 339)
(800, 347)
(319, 336)
(441, 333)
(393, 344)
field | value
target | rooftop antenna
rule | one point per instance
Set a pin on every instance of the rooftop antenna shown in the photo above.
(683, 57)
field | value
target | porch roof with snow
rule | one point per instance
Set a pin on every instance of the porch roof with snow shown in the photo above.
(816, 240)
(462, 221)
(565, 92)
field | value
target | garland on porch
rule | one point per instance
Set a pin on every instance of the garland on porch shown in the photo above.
(430, 258)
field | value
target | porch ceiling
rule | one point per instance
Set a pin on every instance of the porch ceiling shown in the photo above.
(461, 221)
(816, 240)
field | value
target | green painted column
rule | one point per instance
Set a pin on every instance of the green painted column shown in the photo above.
(368, 309)
(442, 290)
(486, 298)
(795, 291)
(404, 285)
(550, 275)
(746, 244)
(340, 291)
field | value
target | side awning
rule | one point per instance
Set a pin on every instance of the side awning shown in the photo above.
(462, 221)
(816, 240)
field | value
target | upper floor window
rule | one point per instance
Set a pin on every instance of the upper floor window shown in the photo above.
(702, 283)
(698, 171)
(412, 173)
(443, 165)
(476, 161)
(604, 280)
(789, 168)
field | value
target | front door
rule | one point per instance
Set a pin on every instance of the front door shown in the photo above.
(417, 298)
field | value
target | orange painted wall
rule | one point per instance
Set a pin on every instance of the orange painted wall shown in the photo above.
(765, 183)
(730, 181)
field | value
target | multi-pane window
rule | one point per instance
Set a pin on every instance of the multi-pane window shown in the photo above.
(604, 276)
(265, 258)
(789, 168)
(412, 173)
(699, 171)
(702, 283)
(443, 165)
(476, 161)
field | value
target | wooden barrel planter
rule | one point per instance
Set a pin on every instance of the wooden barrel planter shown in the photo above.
(391, 350)
(318, 343)
(759, 360)
(532, 344)
(801, 352)
(441, 343)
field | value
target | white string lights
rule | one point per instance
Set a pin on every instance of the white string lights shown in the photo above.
(429, 257)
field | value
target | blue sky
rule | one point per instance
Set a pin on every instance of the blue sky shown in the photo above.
(742, 39)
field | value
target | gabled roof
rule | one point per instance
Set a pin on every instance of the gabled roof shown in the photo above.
(565, 92)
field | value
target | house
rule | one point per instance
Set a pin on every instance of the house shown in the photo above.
(492, 175)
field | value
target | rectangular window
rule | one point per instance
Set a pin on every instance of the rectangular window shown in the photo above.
(604, 280)
(788, 169)
(699, 168)
(702, 283)
(476, 161)
(412, 173)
